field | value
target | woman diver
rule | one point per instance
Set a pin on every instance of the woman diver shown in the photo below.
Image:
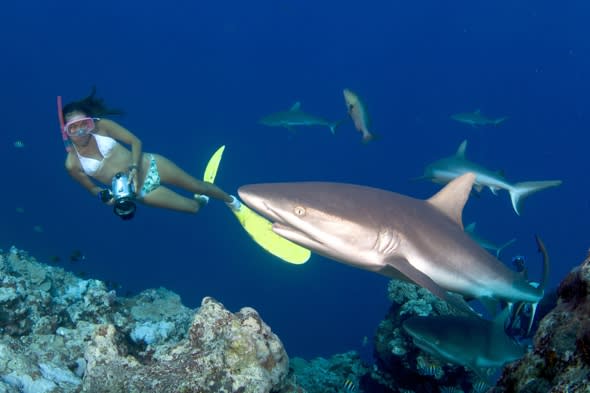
(96, 151)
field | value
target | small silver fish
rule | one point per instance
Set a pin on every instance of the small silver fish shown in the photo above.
(19, 144)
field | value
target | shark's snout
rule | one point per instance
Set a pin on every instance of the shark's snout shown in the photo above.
(254, 197)
(249, 196)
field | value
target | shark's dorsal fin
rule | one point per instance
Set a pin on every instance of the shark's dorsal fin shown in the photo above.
(296, 106)
(470, 228)
(452, 198)
(461, 150)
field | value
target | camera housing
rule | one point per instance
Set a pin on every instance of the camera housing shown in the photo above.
(124, 195)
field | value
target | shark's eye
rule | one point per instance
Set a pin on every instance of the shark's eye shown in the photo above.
(299, 211)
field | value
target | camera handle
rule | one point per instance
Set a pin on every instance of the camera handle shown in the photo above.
(105, 195)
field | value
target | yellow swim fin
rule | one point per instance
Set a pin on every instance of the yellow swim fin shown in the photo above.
(258, 227)
(213, 165)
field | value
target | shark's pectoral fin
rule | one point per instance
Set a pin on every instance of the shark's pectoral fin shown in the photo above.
(295, 107)
(494, 190)
(416, 276)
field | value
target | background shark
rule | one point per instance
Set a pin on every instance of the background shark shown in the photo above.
(470, 341)
(448, 168)
(296, 117)
(476, 118)
(488, 245)
(422, 241)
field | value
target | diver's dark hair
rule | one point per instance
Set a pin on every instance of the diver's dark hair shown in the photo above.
(91, 106)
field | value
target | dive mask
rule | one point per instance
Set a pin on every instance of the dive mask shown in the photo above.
(80, 126)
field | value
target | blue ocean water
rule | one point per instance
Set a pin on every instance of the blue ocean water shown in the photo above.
(193, 76)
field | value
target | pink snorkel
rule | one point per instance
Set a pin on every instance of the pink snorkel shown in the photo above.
(62, 124)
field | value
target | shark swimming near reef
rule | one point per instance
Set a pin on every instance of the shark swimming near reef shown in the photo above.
(421, 241)
(477, 119)
(444, 170)
(295, 117)
(485, 243)
(470, 341)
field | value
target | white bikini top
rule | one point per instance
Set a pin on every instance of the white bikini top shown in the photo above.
(105, 145)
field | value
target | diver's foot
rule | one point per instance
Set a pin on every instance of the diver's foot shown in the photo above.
(235, 204)
(201, 199)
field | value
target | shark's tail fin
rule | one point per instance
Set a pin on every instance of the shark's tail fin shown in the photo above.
(519, 191)
(500, 120)
(543, 284)
(503, 246)
(543, 250)
(540, 286)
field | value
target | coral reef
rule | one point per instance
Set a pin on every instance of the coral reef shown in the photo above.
(60, 333)
(559, 361)
(322, 375)
(223, 352)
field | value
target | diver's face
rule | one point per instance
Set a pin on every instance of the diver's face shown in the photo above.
(78, 126)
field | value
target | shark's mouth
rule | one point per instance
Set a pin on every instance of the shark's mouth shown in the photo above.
(282, 227)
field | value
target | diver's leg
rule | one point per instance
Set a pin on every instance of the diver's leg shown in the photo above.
(170, 173)
(166, 198)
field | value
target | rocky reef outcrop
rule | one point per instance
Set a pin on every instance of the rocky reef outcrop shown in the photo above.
(61, 333)
(560, 359)
(339, 373)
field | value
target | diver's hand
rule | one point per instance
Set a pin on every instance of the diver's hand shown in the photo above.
(106, 196)
(133, 178)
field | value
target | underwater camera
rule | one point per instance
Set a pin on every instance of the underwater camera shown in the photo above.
(124, 196)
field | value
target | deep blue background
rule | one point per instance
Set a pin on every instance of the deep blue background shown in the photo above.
(195, 75)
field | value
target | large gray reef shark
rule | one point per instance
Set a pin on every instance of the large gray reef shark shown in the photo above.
(296, 117)
(422, 241)
(476, 118)
(469, 341)
(448, 168)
